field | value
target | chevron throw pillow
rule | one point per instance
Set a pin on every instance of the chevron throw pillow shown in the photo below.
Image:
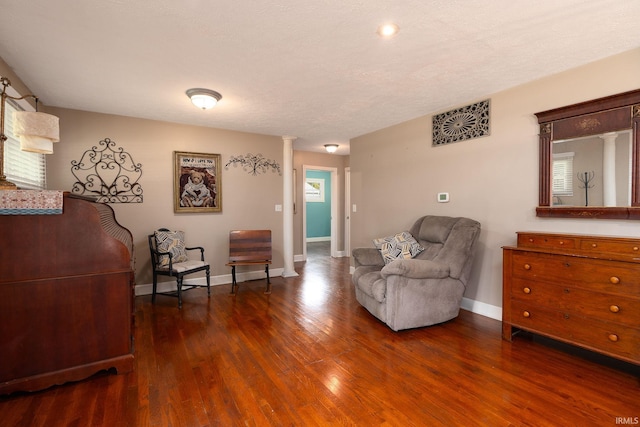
(398, 246)
(172, 242)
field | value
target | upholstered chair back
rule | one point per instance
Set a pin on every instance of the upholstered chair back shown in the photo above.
(448, 240)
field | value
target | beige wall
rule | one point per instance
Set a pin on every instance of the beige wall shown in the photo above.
(396, 173)
(247, 201)
(16, 82)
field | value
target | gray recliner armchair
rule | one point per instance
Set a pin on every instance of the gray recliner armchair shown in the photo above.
(426, 289)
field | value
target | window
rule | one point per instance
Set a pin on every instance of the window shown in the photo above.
(314, 190)
(562, 182)
(26, 170)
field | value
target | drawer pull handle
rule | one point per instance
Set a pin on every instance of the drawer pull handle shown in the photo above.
(613, 338)
(526, 314)
(614, 309)
(615, 280)
(635, 248)
(527, 267)
(566, 316)
(527, 290)
(561, 243)
(530, 240)
(594, 245)
(566, 291)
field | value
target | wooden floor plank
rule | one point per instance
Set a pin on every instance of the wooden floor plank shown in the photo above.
(310, 355)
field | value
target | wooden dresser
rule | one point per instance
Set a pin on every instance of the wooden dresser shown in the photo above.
(66, 296)
(579, 289)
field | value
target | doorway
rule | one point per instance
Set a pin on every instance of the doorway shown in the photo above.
(319, 211)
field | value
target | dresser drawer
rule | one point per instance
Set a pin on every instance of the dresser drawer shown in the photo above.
(603, 306)
(593, 274)
(550, 241)
(590, 333)
(623, 247)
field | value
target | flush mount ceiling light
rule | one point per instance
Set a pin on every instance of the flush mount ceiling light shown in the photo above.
(388, 30)
(204, 98)
(331, 148)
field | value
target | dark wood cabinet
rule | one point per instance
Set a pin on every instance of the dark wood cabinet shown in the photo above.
(66, 296)
(582, 290)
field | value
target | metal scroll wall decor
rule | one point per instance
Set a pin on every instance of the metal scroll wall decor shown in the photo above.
(108, 173)
(253, 165)
(461, 124)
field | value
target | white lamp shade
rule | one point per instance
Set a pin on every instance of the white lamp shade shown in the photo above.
(36, 144)
(37, 131)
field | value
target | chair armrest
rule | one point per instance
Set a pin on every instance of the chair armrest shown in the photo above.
(158, 253)
(416, 269)
(199, 248)
(367, 256)
(156, 262)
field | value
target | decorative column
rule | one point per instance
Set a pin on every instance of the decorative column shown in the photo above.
(609, 168)
(287, 207)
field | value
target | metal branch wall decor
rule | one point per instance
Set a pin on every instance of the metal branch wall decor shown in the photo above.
(109, 173)
(253, 165)
(461, 124)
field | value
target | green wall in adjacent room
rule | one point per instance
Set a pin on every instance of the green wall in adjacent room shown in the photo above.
(319, 213)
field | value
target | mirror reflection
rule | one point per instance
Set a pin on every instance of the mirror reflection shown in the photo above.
(592, 171)
(590, 159)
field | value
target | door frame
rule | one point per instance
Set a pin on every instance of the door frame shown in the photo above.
(334, 208)
(347, 212)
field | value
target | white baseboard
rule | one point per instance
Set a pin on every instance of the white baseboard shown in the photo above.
(319, 239)
(301, 257)
(224, 279)
(482, 308)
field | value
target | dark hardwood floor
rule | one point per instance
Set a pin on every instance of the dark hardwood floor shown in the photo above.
(309, 355)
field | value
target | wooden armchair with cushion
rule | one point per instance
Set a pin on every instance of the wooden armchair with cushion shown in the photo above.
(417, 277)
(169, 258)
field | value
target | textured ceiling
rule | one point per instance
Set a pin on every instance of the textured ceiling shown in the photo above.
(316, 70)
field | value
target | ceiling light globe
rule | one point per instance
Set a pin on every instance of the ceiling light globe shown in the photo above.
(388, 30)
(331, 148)
(204, 98)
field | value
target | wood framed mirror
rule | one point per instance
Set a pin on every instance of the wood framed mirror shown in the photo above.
(590, 159)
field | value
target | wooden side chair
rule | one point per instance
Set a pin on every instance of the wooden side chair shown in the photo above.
(169, 258)
(249, 247)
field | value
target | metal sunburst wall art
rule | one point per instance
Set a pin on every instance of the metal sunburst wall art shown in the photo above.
(254, 165)
(108, 173)
(461, 124)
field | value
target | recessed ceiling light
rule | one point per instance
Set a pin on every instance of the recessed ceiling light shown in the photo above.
(388, 30)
